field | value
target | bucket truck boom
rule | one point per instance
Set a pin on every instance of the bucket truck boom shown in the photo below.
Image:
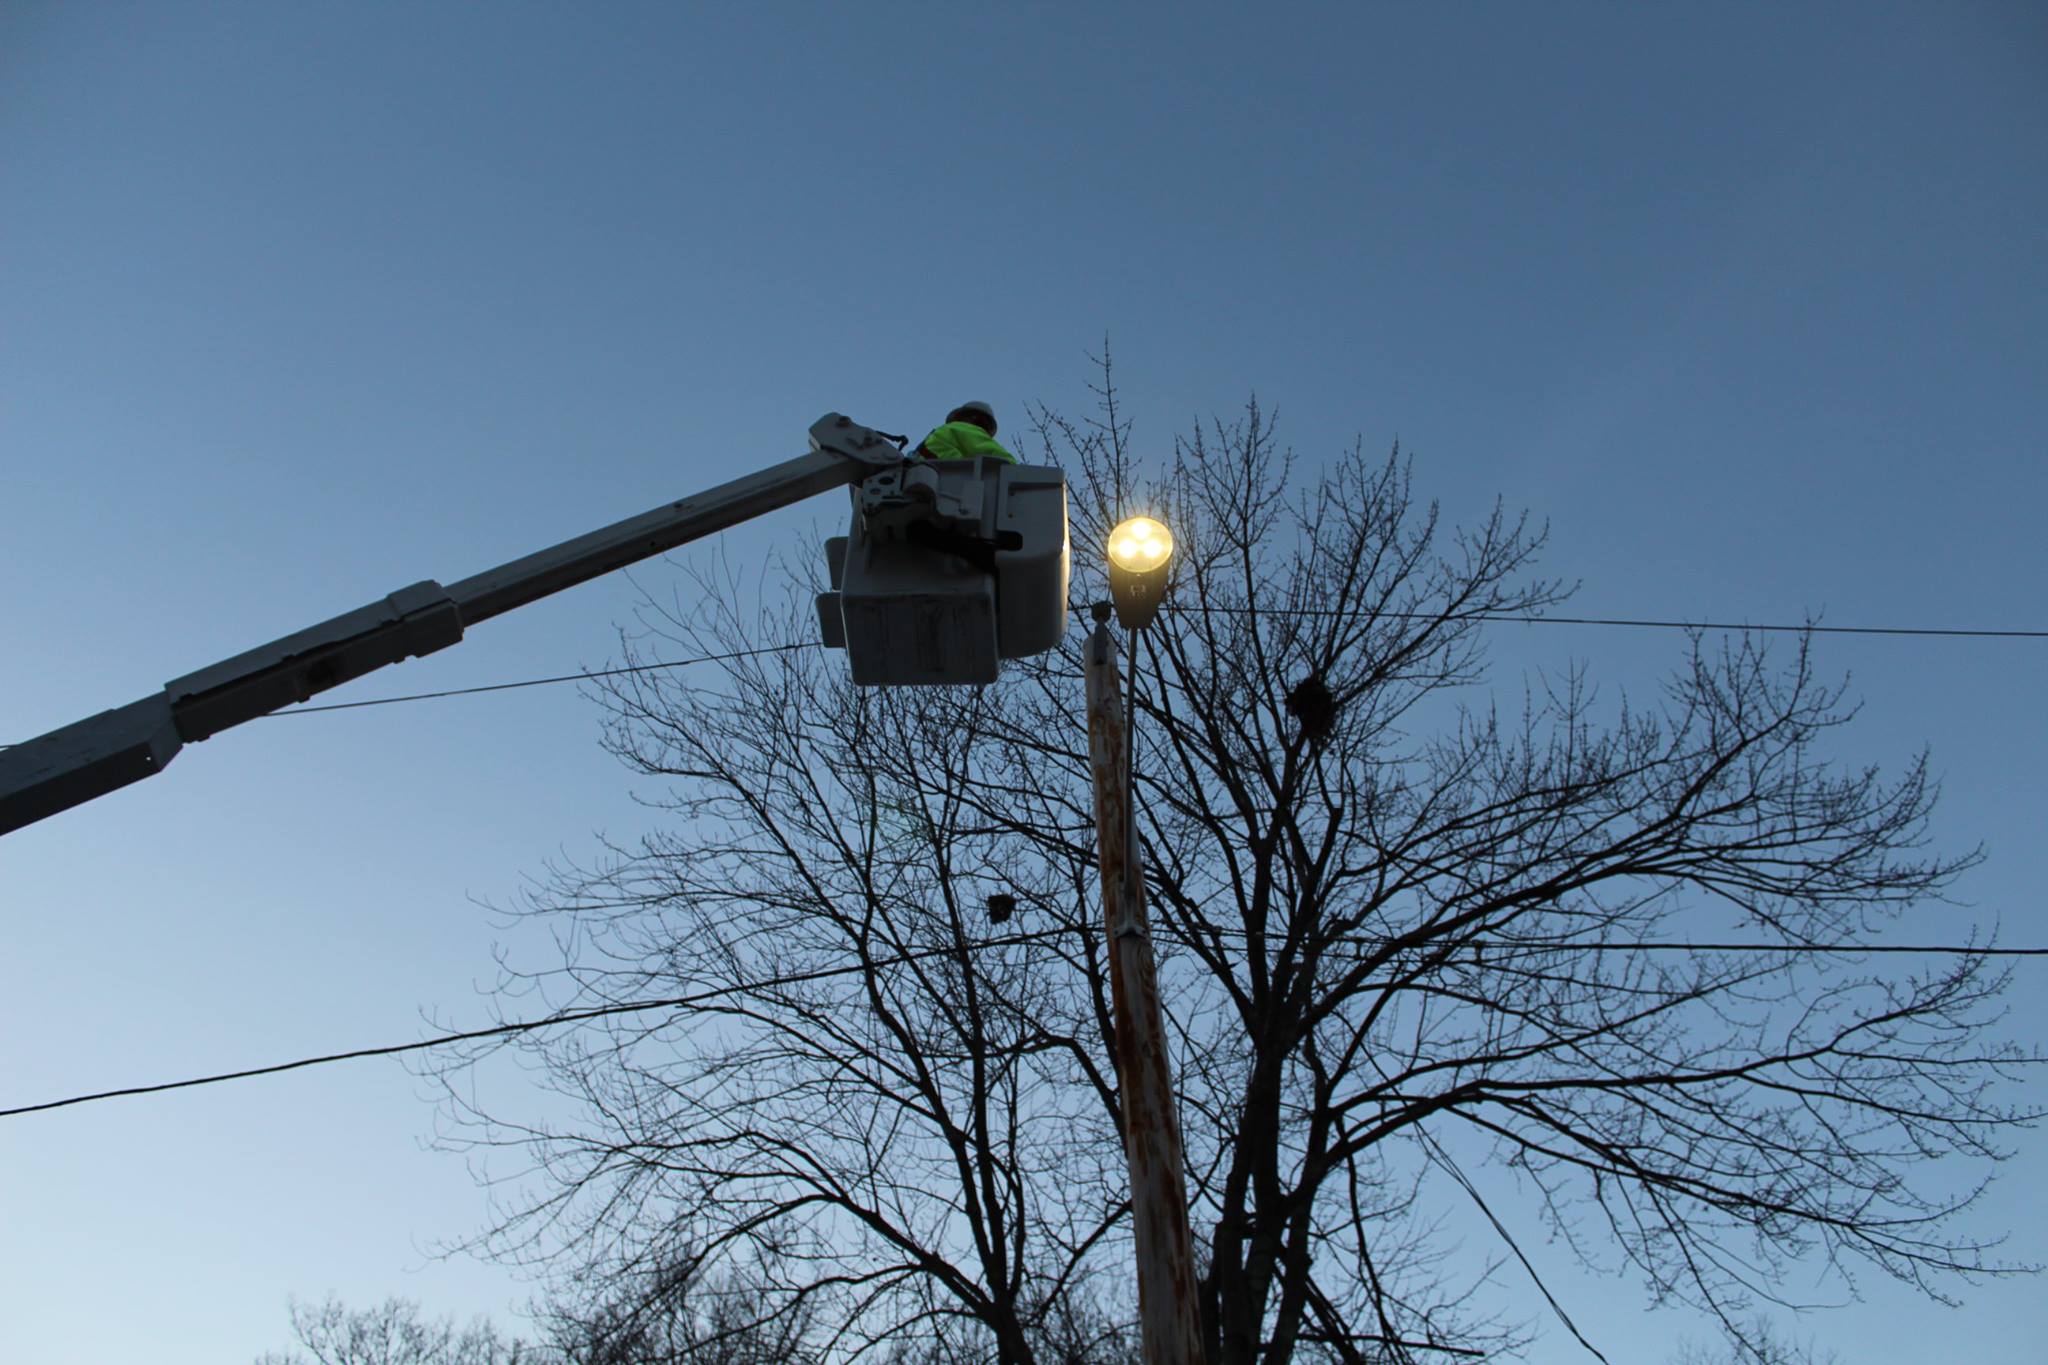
(92, 757)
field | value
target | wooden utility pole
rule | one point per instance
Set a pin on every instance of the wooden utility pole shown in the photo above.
(1167, 1305)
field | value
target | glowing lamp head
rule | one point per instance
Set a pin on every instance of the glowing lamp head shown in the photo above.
(1140, 550)
(1140, 544)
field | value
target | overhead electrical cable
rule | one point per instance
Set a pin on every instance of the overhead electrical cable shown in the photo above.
(826, 973)
(1173, 605)
(1936, 632)
(1844, 949)
(1647, 624)
(543, 682)
(1514, 946)
(529, 1025)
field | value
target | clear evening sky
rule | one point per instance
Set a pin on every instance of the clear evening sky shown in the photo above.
(301, 303)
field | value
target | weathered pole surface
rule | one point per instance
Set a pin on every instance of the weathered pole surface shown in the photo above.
(1167, 1305)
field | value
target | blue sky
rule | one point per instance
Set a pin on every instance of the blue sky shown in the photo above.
(299, 304)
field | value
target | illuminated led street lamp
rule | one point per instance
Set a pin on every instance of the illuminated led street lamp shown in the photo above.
(1140, 549)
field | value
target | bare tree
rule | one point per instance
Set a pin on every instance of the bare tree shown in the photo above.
(675, 1313)
(393, 1333)
(1415, 951)
(1760, 1343)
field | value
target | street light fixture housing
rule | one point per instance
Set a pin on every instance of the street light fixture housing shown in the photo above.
(1140, 552)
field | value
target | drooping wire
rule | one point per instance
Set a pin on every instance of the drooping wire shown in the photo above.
(1650, 624)
(542, 682)
(1627, 622)
(1939, 632)
(1512, 947)
(525, 1025)
(827, 973)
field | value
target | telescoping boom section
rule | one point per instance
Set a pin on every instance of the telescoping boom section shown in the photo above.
(94, 756)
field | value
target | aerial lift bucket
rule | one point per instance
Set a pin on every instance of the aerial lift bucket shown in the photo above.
(949, 567)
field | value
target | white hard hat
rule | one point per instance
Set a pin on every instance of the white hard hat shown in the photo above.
(976, 411)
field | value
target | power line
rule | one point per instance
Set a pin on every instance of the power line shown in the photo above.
(529, 682)
(823, 974)
(1630, 622)
(523, 1026)
(1615, 621)
(1937, 631)
(541, 682)
(1640, 623)
(1815, 949)
(827, 973)
(1818, 948)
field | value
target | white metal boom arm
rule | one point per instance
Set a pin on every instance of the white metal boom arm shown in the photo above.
(92, 757)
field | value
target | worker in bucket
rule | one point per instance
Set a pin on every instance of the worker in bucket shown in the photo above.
(969, 430)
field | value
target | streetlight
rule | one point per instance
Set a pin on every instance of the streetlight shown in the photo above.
(1140, 553)
(1140, 550)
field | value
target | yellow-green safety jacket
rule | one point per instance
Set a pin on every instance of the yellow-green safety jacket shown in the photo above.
(962, 441)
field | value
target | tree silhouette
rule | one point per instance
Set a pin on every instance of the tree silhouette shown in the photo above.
(1413, 948)
(394, 1333)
